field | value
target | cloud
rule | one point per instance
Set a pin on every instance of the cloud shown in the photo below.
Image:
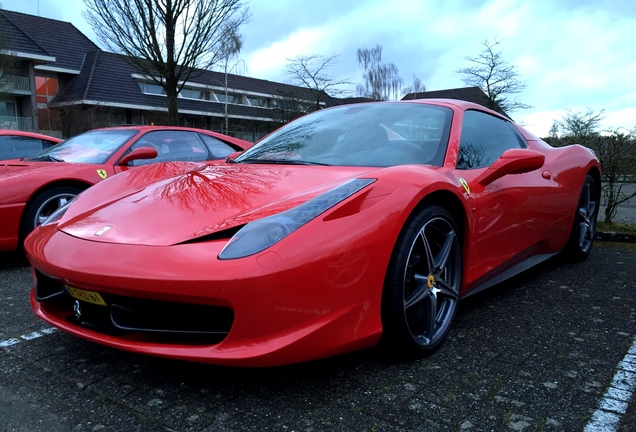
(268, 62)
(572, 54)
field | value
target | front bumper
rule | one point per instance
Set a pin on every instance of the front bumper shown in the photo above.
(182, 302)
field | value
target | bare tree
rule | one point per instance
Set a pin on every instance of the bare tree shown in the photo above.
(6, 66)
(167, 40)
(616, 151)
(495, 77)
(228, 52)
(417, 87)
(553, 133)
(8, 61)
(291, 105)
(310, 71)
(580, 127)
(381, 80)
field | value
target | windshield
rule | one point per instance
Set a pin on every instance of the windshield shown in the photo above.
(373, 134)
(94, 147)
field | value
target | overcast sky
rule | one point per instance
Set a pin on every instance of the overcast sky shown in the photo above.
(572, 54)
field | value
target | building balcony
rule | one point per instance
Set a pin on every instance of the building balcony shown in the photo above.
(16, 123)
(15, 84)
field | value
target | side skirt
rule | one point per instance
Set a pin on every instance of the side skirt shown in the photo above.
(512, 271)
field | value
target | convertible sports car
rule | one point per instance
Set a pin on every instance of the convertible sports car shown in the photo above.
(16, 144)
(349, 227)
(32, 188)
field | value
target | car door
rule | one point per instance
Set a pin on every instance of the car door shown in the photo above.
(507, 217)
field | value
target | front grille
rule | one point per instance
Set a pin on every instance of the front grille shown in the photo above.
(135, 318)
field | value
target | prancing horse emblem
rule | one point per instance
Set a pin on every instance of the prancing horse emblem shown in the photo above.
(77, 310)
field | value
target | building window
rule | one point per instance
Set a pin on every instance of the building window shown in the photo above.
(152, 89)
(229, 98)
(256, 102)
(187, 93)
(46, 89)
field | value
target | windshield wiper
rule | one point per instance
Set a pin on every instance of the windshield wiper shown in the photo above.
(46, 158)
(280, 162)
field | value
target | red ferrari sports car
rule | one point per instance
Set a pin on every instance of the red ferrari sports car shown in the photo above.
(349, 227)
(16, 144)
(32, 188)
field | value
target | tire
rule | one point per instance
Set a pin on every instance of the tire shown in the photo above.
(422, 285)
(583, 231)
(44, 204)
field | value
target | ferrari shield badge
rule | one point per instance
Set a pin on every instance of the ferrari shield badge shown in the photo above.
(465, 184)
(102, 173)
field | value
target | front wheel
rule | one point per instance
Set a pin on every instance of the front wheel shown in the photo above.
(421, 290)
(45, 204)
(584, 228)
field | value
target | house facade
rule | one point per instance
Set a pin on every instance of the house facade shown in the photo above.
(34, 66)
(54, 80)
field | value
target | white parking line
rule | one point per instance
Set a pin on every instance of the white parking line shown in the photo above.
(27, 337)
(617, 397)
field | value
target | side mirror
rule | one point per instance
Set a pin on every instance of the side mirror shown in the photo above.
(512, 161)
(139, 153)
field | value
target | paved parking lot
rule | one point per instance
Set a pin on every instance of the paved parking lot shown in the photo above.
(542, 352)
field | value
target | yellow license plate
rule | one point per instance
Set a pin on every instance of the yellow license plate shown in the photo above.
(87, 296)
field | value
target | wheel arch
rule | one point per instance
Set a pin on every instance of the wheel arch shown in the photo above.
(451, 203)
(596, 175)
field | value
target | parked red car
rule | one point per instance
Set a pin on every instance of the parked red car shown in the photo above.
(16, 144)
(347, 227)
(32, 188)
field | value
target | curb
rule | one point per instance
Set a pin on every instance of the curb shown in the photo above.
(615, 237)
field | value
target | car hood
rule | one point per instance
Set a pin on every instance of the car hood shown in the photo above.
(18, 180)
(145, 208)
(18, 170)
(15, 168)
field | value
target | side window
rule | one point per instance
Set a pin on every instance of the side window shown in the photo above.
(218, 149)
(484, 139)
(46, 144)
(172, 146)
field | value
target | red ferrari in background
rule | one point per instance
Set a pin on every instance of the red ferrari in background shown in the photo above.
(32, 188)
(345, 228)
(16, 144)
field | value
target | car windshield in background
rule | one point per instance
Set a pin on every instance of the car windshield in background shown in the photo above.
(373, 134)
(93, 147)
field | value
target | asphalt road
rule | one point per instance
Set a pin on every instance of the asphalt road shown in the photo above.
(552, 350)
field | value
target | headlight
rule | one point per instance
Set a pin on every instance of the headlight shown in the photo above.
(259, 235)
(57, 214)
